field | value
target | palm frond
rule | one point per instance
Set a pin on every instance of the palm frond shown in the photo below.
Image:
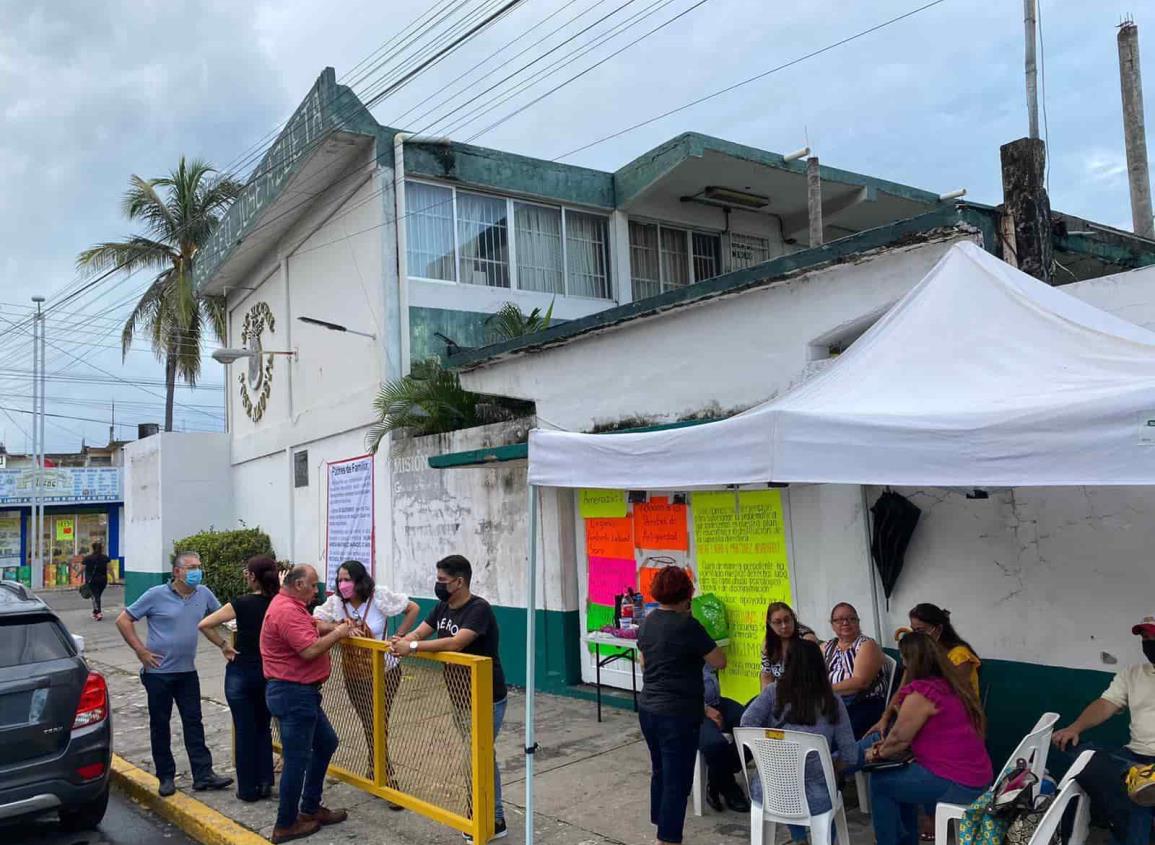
(142, 202)
(132, 254)
(510, 322)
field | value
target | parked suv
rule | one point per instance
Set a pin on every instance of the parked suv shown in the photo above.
(55, 724)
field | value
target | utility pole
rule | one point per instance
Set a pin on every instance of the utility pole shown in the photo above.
(1031, 29)
(814, 200)
(37, 445)
(1134, 131)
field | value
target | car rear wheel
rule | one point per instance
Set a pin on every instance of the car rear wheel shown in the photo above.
(85, 816)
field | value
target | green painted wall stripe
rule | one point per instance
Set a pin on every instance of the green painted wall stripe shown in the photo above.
(135, 583)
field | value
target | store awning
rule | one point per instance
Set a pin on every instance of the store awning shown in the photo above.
(980, 376)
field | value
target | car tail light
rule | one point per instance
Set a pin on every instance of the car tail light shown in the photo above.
(93, 706)
(91, 771)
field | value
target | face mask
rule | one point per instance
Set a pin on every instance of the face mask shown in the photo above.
(346, 589)
(441, 591)
(193, 577)
(1149, 650)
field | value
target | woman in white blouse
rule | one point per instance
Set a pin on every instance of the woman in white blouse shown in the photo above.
(369, 607)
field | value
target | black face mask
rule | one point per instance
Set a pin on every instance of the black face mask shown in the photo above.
(1149, 650)
(441, 590)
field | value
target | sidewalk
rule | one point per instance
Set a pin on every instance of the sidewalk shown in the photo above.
(592, 783)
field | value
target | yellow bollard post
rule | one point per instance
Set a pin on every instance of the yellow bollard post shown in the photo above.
(481, 695)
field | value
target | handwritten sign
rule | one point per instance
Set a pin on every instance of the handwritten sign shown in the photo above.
(610, 538)
(65, 530)
(609, 577)
(658, 525)
(601, 504)
(742, 558)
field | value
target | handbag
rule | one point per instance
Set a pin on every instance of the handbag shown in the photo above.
(979, 826)
(85, 591)
(1014, 791)
(1025, 822)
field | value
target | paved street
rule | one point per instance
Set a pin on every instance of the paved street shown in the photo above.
(125, 824)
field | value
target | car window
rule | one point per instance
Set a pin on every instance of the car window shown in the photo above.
(31, 640)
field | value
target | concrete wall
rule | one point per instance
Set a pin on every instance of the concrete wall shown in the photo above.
(176, 484)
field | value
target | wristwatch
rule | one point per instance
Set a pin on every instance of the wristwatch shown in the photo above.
(413, 645)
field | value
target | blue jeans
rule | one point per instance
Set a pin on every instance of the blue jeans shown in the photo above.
(896, 795)
(673, 744)
(184, 689)
(1130, 824)
(498, 718)
(245, 693)
(307, 744)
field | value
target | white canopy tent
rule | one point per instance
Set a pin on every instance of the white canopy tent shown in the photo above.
(981, 376)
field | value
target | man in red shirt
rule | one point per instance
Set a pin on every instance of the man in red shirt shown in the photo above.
(295, 653)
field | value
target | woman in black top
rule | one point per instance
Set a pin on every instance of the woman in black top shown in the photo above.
(96, 577)
(674, 646)
(245, 677)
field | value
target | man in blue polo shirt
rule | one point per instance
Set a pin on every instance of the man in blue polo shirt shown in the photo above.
(168, 670)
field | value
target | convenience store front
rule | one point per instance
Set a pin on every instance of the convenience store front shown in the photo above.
(83, 505)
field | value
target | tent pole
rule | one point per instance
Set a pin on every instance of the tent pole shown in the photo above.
(870, 567)
(530, 647)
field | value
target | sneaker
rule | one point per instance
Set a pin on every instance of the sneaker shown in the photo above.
(325, 816)
(499, 832)
(299, 829)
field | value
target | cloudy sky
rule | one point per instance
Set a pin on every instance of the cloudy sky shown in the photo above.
(92, 92)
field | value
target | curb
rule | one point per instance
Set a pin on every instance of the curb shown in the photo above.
(198, 820)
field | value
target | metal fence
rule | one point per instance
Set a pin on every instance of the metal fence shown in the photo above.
(417, 732)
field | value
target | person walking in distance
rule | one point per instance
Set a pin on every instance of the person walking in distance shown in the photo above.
(96, 577)
(245, 677)
(168, 669)
(464, 623)
(295, 656)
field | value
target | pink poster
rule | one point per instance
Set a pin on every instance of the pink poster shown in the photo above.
(609, 577)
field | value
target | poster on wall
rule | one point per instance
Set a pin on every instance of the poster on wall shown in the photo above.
(349, 517)
(10, 545)
(741, 550)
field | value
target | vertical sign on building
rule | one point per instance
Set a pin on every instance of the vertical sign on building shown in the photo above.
(349, 520)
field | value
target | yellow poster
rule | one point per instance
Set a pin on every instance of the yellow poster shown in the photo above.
(740, 541)
(65, 530)
(601, 504)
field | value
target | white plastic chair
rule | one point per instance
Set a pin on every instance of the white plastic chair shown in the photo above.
(1068, 791)
(1033, 749)
(862, 779)
(780, 759)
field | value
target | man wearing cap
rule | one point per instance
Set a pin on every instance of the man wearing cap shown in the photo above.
(1132, 689)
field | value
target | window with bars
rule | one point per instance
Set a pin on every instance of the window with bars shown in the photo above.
(748, 250)
(481, 239)
(663, 258)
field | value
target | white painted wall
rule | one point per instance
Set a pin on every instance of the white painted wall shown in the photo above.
(176, 484)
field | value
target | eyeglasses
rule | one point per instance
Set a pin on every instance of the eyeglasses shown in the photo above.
(844, 620)
(781, 623)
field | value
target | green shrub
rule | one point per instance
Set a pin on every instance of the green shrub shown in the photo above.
(223, 555)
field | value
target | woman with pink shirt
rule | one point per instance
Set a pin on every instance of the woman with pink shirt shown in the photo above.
(940, 725)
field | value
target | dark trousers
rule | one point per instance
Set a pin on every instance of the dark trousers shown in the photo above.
(864, 713)
(183, 688)
(721, 758)
(673, 744)
(252, 735)
(1130, 824)
(308, 742)
(97, 586)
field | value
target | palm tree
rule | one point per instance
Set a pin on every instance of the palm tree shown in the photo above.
(178, 212)
(510, 322)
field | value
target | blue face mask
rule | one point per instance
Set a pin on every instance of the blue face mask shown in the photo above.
(194, 577)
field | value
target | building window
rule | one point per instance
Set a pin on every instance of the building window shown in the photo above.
(301, 468)
(663, 258)
(483, 240)
(479, 239)
(748, 250)
(540, 261)
(429, 231)
(587, 245)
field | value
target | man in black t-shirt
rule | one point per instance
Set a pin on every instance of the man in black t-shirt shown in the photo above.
(96, 577)
(464, 623)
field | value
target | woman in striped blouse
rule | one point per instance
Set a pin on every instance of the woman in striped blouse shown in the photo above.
(854, 662)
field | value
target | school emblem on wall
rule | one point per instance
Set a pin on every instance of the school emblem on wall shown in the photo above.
(257, 382)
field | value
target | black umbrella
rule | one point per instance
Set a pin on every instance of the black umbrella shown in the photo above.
(895, 517)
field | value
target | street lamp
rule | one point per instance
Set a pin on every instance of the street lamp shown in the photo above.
(335, 327)
(231, 356)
